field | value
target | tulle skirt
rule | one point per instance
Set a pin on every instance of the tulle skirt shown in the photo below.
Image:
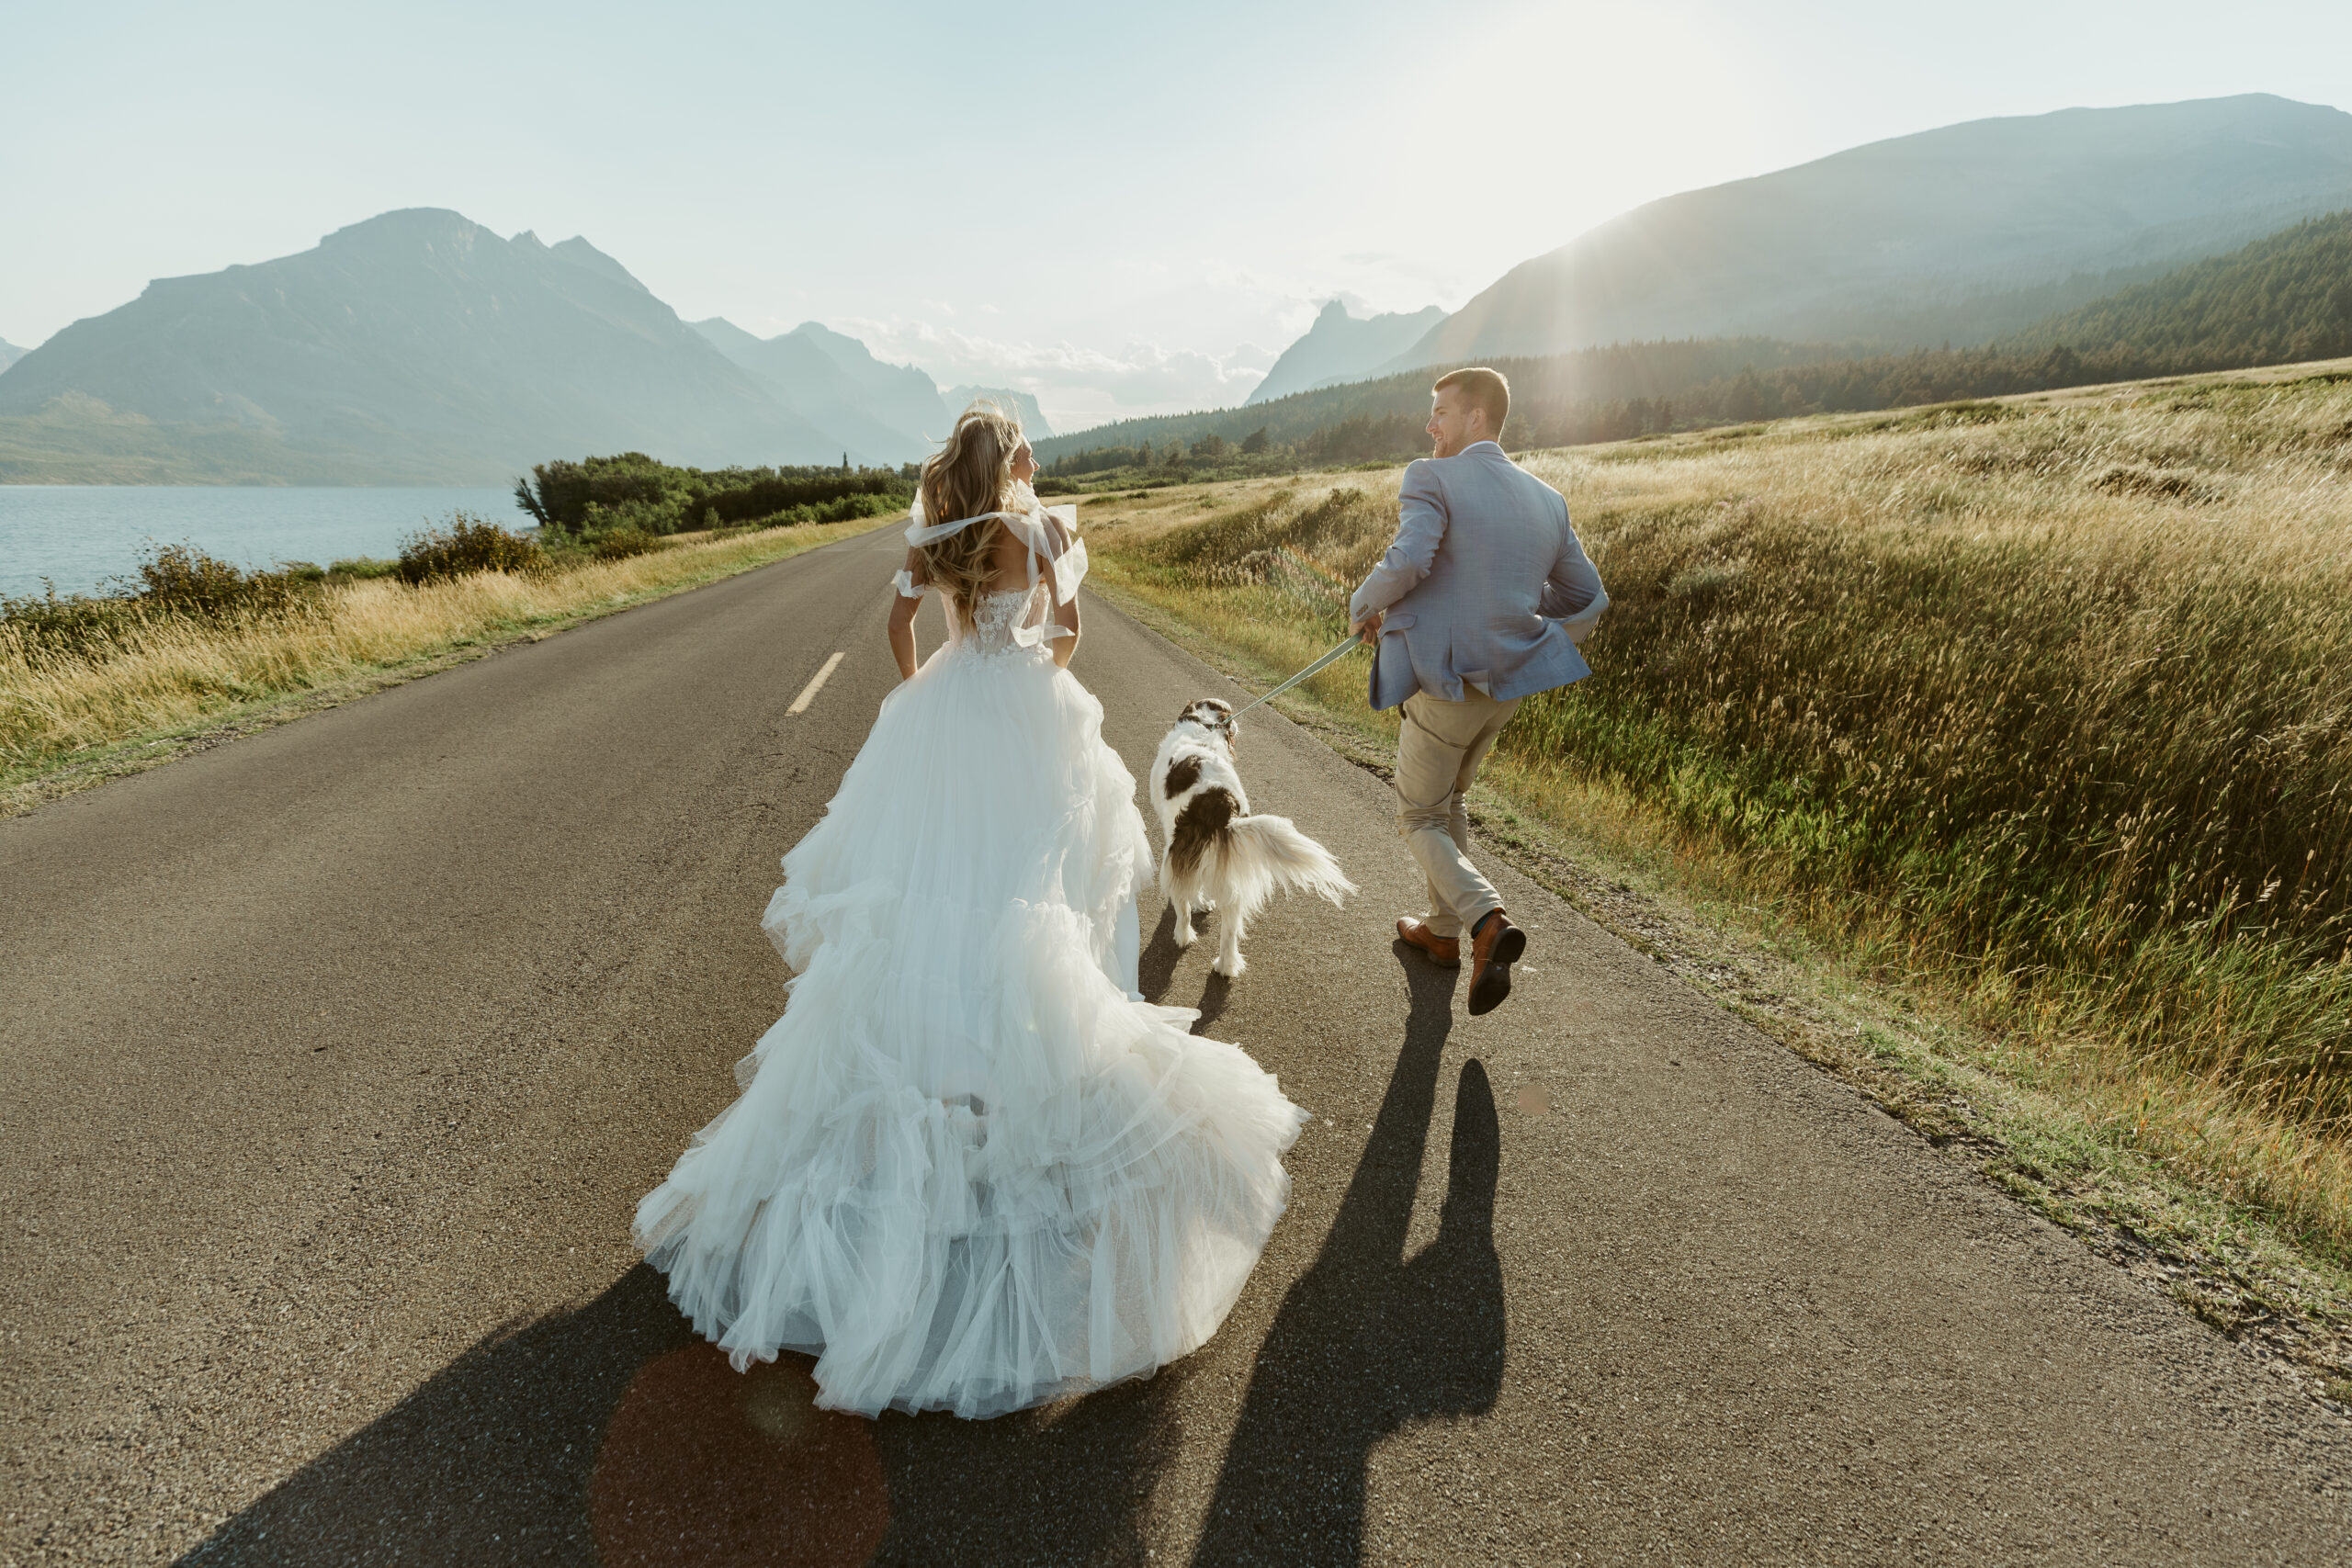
(971, 1168)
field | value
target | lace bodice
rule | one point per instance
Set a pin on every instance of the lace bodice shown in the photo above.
(998, 616)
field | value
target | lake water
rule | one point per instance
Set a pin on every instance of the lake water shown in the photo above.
(79, 536)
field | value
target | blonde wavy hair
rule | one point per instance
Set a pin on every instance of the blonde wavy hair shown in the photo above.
(971, 474)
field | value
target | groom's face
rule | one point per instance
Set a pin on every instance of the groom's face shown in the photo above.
(1454, 422)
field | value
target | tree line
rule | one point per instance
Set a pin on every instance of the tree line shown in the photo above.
(632, 490)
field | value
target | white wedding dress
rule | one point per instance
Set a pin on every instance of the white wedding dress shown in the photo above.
(971, 1169)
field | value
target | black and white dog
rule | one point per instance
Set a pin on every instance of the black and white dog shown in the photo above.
(1217, 856)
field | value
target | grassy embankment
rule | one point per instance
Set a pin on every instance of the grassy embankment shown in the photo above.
(2037, 715)
(136, 682)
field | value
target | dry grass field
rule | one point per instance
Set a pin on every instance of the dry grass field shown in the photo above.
(2041, 708)
(164, 673)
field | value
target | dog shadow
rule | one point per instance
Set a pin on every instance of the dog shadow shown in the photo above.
(1156, 967)
(1213, 996)
(1369, 1341)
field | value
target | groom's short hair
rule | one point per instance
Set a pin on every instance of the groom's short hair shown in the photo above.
(1484, 389)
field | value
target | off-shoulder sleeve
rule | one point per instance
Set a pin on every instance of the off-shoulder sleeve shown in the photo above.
(1065, 549)
(914, 577)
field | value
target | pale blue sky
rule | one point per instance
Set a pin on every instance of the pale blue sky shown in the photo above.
(1123, 208)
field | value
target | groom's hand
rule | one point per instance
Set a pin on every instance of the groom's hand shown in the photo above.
(1368, 628)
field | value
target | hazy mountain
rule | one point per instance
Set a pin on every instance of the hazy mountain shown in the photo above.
(1022, 406)
(1965, 233)
(1341, 347)
(811, 381)
(2285, 299)
(415, 347)
(900, 395)
(10, 353)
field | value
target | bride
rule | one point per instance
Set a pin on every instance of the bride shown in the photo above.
(971, 1169)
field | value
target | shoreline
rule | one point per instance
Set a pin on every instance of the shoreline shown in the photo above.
(675, 570)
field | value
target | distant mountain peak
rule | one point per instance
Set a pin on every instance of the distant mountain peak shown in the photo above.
(579, 253)
(1020, 404)
(1339, 347)
(723, 333)
(393, 233)
(407, 224)
(853, 353)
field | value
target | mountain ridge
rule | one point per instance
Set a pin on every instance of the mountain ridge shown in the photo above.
(2284, 299)
(416, 346)
(1888, 241)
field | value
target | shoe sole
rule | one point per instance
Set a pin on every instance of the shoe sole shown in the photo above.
(1493, 984)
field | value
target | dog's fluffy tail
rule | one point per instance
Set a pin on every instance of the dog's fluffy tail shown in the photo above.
(1265, 854)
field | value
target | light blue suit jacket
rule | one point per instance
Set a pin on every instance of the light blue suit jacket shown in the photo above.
(1486, 582)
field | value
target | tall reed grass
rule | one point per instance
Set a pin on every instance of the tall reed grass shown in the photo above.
(2046, 703)
(93, 673)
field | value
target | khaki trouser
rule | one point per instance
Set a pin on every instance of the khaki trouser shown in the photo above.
(1438, 754)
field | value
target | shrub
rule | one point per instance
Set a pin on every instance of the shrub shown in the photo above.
(175, 582)
(184, 579)
(71, 626)
(623, 543)
(845, 509)
(464, 544)
(359, 569)
(666, 516)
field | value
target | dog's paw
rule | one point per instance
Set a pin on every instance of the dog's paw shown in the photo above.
(1184, 937)
(1231, 967)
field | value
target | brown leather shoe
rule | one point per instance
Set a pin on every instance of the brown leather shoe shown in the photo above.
(1497, 946)
(1442, 951)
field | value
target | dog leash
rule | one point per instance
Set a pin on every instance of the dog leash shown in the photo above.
(1316, 668)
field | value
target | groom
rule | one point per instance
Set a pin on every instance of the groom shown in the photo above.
(1480, 601)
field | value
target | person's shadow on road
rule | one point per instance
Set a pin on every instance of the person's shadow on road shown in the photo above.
(610, 1437)
(1369, 1341)
(610, 1434)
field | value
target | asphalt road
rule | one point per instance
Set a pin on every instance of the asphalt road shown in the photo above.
(339, 1056)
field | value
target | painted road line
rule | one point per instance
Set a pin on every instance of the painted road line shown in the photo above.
(816, 684)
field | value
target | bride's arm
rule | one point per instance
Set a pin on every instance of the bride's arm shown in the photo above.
(901, 632)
